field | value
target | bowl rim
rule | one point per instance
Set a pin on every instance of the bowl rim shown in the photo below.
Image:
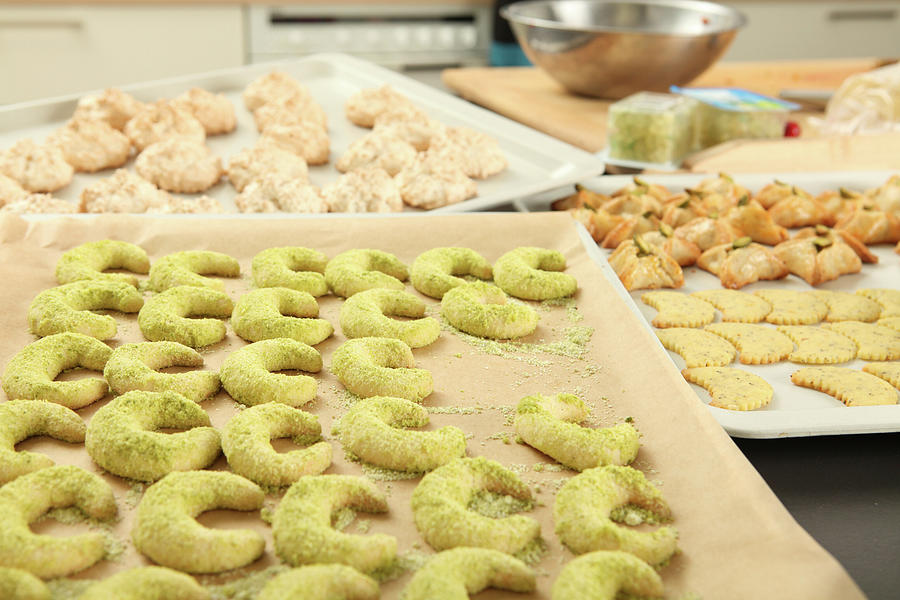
(508, 12)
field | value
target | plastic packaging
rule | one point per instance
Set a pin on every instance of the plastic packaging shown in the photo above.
(651, 128)
(865, 103)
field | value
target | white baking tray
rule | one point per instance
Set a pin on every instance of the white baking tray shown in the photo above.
(794, 411)
(537, 162)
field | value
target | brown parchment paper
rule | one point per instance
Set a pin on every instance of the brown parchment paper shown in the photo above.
(737, 539)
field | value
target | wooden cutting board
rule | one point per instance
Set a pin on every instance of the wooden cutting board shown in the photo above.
(527, 95)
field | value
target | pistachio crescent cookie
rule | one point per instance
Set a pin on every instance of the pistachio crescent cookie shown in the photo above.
(371, 366)
(168, 316)
(27, 498)
(874, 341)
(818, 346)
(481, 309)
(293, 267)
(736, 306)
(135, 367)
(18, 584)
(302, 524)
(122, 436)
(246, 442)
(793, 308)
(189, 267)
(533, 273)
(551, 425)
(440, 505)
(698, 348)
(321, 582)
(844, 306)
(436, 271)
(247, 373)
(456, 573)
(91, 259)
(602, 575)
(368, 314)
(732, 389)
(889, 371)
(678, 310)
(68, 308)
(22, 419)
(374, 430)
(585, 520)
(888, 299)
(269, 313)
(166, 530)
(756, 344)
(357, 270)
(853, 388)
(30, 374)
(146, 583)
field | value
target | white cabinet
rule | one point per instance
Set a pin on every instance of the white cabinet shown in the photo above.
(60, 49)
(798, 30)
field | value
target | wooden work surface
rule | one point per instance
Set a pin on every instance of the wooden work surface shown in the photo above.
(529, 96)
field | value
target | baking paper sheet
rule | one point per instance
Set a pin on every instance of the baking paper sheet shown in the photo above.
(737, 540)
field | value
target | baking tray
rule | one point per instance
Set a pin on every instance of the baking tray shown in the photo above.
(537, 162)
(794, 411)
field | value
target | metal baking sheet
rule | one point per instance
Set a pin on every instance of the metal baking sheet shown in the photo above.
(794, 411)
(537, 162)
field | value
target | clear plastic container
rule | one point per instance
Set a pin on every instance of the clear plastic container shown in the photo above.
(651, 128)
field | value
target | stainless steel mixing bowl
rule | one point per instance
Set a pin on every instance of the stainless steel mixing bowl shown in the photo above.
(612, 49)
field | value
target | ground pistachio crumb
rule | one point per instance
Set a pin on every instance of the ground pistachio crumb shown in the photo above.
(134, 494)
(533, 552)
(68, 589)
(497, 506)
(247, 587)
(363, 525)
(342, 517)
(454, 410)
(411, 560)
(113, 547)
(632, 515)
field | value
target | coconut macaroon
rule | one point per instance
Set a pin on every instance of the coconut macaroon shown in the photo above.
(10, 190)
(178, 164)
(409, 124)
(36, 167)
(378, 150)
(364, 106)
(271, 87)
(160, 120)
(214, 111)
(364, 190)
(40, 204)
(124, 192)
(91, 146)
(428, 182)
(293, 110)
(273, 194)
(476, 153)
(306, 139)
(112, 105)
(190, 206)
(265, 159)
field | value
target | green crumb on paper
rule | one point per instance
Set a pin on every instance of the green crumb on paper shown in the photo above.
(134, 494)
(633, 515)
(454, 410)
(246, 587)
(267, 513)
(68, 589)
(549, 468)
(411, 560)
(629, 419)
(363, 525)
(458, 355)
(113, 547)
(497, 506)
(573, 345)
(342, 518)
(533, 552)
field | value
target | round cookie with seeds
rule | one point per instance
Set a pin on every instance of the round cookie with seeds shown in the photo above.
(853, 388)
(482, 309)
(732, 389)
(19, 584)
(89, 260)
(135, 367)
(293, 267)
(437, 271)
(874, 342)
(603, 575)
(756, 344)
(534, 273)
(169, 316)
(374, 366)
(458, 572)
(889, 371)
(166, 530)
(793, 308)
(678, 310)
(843, 306)
(321, 582)
(357, 270)
(146, 583)
(246, 442)
(25, 499)
(68, 308)
(736, 306)
(248, 377)
(888, 299)
(30, 374)
(818, 345)
(368, 314)
(890, 323)
(123, 436)
(270, 313)
(374, 430)
(302, 524)
(440, 505)
(698, 348)
(22, 419)
(582, 514)
(551, 425)
(189, 267)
